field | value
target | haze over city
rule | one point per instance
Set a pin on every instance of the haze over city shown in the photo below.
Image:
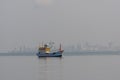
(29, 22)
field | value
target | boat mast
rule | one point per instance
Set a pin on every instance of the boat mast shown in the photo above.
(60, 48)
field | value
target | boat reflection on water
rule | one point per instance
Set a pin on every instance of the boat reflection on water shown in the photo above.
(50, 68)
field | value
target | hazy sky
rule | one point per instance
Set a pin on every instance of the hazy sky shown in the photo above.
(29, 22)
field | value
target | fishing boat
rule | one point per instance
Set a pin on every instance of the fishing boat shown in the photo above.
(45, 51)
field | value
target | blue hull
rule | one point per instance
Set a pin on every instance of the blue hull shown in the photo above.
(54, 54)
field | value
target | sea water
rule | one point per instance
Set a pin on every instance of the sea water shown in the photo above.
(89, 67)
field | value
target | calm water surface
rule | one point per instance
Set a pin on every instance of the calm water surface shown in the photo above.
(65, 68)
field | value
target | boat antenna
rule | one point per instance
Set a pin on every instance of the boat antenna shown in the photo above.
(42, 43)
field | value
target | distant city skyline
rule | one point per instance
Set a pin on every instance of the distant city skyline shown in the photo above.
(93, 47)
(71, 48)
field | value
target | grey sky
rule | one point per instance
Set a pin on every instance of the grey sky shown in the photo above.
(29, 22)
